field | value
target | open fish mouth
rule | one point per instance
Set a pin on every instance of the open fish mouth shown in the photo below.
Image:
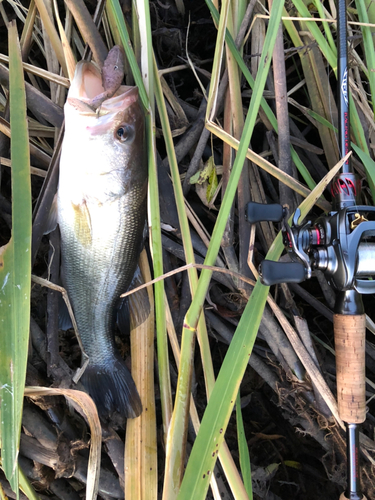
(87, 86)
(87, 81)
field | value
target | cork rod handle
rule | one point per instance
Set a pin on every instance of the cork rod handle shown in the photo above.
(343, 497)
(350, 366)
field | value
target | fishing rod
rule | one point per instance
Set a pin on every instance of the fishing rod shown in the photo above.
(342, 245)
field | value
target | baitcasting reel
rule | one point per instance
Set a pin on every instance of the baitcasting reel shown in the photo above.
(341, 244)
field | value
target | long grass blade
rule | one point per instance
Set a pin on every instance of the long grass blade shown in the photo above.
(141, 482)
(243, 449)
(15, 273)
(26, 486)
(196, 472)
(368, 44)
(53, 36)
(154, 215)
(177, 439)
(369, 165)
(218, 58)
(319, 6)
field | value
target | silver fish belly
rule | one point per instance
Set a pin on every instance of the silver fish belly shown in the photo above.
(101, 207)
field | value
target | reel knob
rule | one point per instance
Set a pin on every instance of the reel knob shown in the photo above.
(259, 212)
(272, 273)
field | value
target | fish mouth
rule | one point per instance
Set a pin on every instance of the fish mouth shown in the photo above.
(87, 84)
(87, 81)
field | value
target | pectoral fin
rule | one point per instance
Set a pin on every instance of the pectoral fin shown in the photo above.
(82, 223)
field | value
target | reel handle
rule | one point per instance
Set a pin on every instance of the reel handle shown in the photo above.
(272, 273)
(259, 212)
(350, 343)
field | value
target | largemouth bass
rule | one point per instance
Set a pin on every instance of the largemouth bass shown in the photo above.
(101, 211)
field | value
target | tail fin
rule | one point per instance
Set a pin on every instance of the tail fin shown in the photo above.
(112, 388)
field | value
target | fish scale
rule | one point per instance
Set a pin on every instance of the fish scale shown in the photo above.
(97, 264)
(101, 211)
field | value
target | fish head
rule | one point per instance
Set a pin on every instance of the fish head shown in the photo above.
(109, 140)
(119, 126)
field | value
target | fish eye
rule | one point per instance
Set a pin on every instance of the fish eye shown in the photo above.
(124, 133)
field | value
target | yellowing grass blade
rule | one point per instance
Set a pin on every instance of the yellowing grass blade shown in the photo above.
(88, 409)
(141, 478)
(15, 272)
(53, 36)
